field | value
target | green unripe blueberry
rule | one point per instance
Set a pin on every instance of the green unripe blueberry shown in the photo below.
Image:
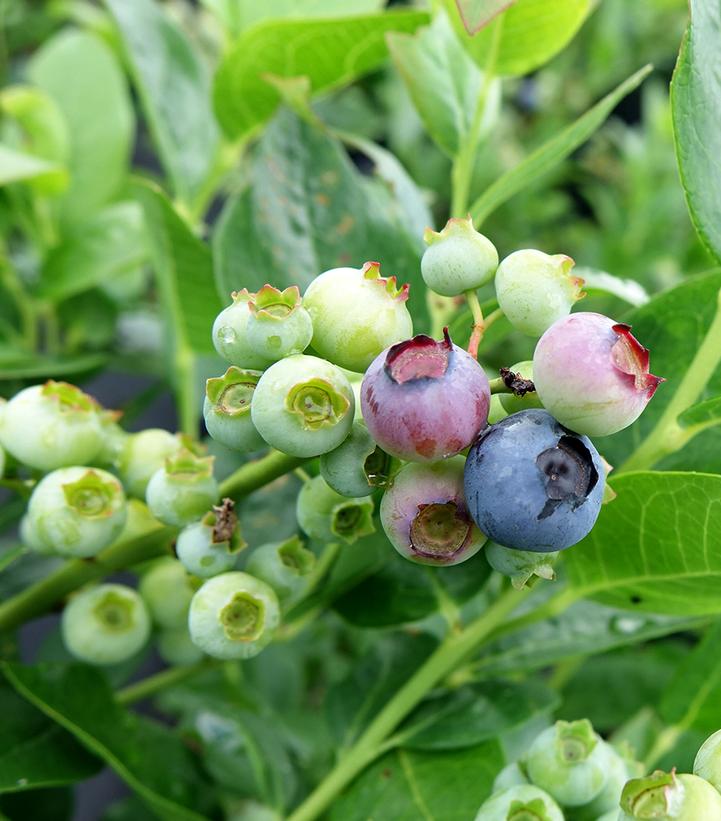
(230, 334)
(618, 773)
(327, 516)
(570, 761)
(523, 802)
(510, 776)
(496, 411)
(211, 546)
(29, 537)
(113, 438)
(106, 624)
(3, 459)
(458, 258)
(233, 616)
(535, 289)
(670, 797)
(142, 455)
(51, 426)
(303, 406)
(285, 566)
(707, 764)
(167, 590)
(278, 325)
(512, 403)
(226, 409)
(176, 647)
(520, 565)
(357, 466)
(77, 511)
(356, 315)
(183, 490)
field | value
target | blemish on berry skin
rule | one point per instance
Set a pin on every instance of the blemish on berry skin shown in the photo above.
(426, 447)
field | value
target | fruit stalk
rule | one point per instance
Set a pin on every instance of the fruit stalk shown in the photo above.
(479, 326)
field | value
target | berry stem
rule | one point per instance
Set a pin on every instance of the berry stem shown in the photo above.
(454, 648)
(479, 326)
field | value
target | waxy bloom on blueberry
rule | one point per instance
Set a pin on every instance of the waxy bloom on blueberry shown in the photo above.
(425, 517)
(356, 314)
(670, 797)
(106, 624)
(326, 515)
(142, 454)
(592, 374)
(278, 325)
(533, 485)
(230, 334)
(285, 566)
(77, 511)
(520, 565)
(357, 466)
(51, 426)
(233, 616)
(210, 546)
(424, 400)
(524, 801)
(226, 409)
(707, 763)
(535, 289)
(183, 490)
(458, 258)
(303, 406)
(167, 590)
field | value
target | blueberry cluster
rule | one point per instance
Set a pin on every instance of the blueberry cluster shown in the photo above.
(570, 772)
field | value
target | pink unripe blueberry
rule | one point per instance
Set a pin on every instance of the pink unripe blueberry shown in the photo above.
(592, 374)
(425, 517)
(424, 400)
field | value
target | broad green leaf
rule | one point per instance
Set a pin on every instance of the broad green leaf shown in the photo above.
(476, 14)
(531, 32)
(442, 80)
(34, 751)
(696, 109)
(17, 166)
(184, 269)
(602, 282)
(151, 759)
(45, 131)
(81, 74)
(48, 804)
(329, 52)
(174, 90)
(103, 249)
(703, 414)
(307, 209)
(548, 155)
(408, 785)
(654, 549)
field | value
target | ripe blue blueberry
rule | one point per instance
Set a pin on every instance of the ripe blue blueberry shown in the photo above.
(533, 485)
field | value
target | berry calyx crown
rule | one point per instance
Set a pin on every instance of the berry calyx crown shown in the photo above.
(533, 810)
(317, 403)
(575, 741)
(93, 496)
(630, 357)
(455, 227)
(419, 358)
(115, 611)
(654, 796)
(573, 284)
(231, 393)
(243, 617)
(440, 530)
(352, 519)
(69, 398)
(372, 272)
(185, 466)
(295, 557)
(270, 304)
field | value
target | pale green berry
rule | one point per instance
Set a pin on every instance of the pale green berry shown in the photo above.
(458, 258)
(29, 537)
(176, 647)
(356, 315)
(303, 406)
(3, 459)
(142, 455)
(183, 490)
(230, 334)
(357, 466)
(211, 546)
(670, 797)
(51, 426)
(570, 761)
(326, 515)
(496, 411)
(77, 511)
(618, 773)
(285, 566)
(512, 403)
(708, 760)
(226, 409)
(114, 438)
(523, 802)
(278, 325)
(233, 616)
(535, 289)
(106, 624)
(520, 565)
(510, 776)
(167, 590)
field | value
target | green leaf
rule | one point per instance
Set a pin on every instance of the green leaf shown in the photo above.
(330, 52)
(17, 166)
(696, 110)
(308, 209)
(49, 804)
(43, 126)
(532, 31)
(103, 249)
(23, 365)
(80, 73)
(602, 282)
(34, 751)
(654, 548)
(408, 785)
(548, 155)
(476, 14)
(703, 414)
(174, 90)
(149, 758)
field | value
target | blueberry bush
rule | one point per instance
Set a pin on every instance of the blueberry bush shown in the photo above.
(360, 453)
